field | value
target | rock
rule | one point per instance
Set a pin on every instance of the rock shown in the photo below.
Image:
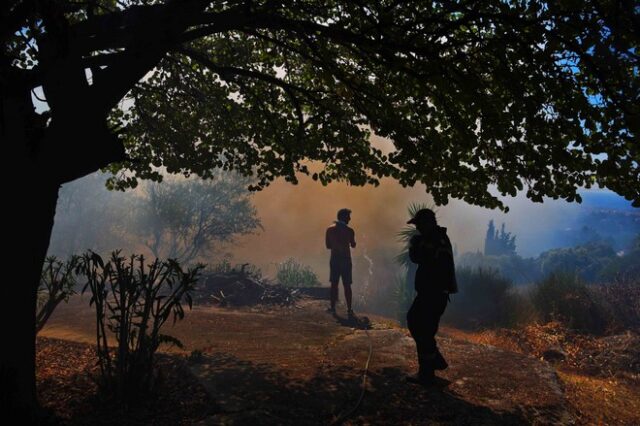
(554, 354)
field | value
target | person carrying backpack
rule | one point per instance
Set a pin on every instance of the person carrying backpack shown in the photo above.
(435, 281)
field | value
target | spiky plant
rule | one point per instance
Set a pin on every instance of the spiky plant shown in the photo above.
(405, 287)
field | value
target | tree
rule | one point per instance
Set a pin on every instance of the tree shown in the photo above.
(499, 243)
(88, 216)
(472, 94)
(181, 219)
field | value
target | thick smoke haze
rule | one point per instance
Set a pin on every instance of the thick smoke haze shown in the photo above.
(294, 219)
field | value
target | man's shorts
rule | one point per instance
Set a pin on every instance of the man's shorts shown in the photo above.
(340, 267)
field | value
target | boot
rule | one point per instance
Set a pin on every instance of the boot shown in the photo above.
(439, 363)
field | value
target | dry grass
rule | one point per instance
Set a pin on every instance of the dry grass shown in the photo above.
(599, 374)
(598, 401)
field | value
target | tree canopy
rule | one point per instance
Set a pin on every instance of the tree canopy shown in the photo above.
(524, 95)
(183, 219)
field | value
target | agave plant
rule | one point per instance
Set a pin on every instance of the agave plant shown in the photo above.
(405, 291)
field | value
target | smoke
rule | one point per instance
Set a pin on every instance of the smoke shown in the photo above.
(295, 218)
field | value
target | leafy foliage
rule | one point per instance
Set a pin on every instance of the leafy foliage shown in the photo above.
(292, 273)
(564, 297)
(523, 95)
(132, 301)
(486, 299)
(592, 262)
(624, 268)
(517, 269)
(586, 261)
(225, 267)
(181, 219)
(56, 285)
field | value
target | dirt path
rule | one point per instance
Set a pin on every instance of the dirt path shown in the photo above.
(303, 366)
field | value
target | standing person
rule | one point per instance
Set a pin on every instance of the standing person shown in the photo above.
(435, 280)
(340, 238)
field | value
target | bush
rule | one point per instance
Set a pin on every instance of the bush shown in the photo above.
(292, 273)
(585, 261)
(57, 284)
(517, 269)
(133, 300)
(225, 267)
(486, 299)
(566, 298)
(625, 268)
(621, 300)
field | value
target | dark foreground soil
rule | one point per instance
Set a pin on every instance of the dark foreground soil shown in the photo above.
(297, 366)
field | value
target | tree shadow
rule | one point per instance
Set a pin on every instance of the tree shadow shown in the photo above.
(250, 393)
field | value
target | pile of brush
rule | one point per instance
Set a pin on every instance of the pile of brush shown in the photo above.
(238, 288)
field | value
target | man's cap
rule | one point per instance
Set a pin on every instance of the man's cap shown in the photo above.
(423, 214)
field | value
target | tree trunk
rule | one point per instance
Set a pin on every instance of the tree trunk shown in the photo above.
(34, 222)
(30, 212)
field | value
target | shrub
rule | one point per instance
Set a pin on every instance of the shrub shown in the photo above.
(486, 299)
(133, 300)
(292, 273)
(566, 298)
(57, 284)
(225, 267)
(517, 269)
(586, 261)
(621, 300)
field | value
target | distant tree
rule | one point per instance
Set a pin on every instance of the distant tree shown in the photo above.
(626, 266)
(499, 243)
(525, 95)
(182, 219)
(586, 261)
(513, 267)
(90, 217)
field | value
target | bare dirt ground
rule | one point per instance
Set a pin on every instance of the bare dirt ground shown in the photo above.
(300, 365)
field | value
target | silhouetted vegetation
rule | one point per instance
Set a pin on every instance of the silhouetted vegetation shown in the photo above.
(486, 299)
(56, 285)
(132, 301)
(178, 218)
(566, 298)
(499, 243)
(586, 261)
(225, 267)
(626, 267)
(181, 219)
(292, 273)
(592, 262)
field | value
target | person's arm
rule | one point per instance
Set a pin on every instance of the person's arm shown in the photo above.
(353, 239)
(327, 239)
